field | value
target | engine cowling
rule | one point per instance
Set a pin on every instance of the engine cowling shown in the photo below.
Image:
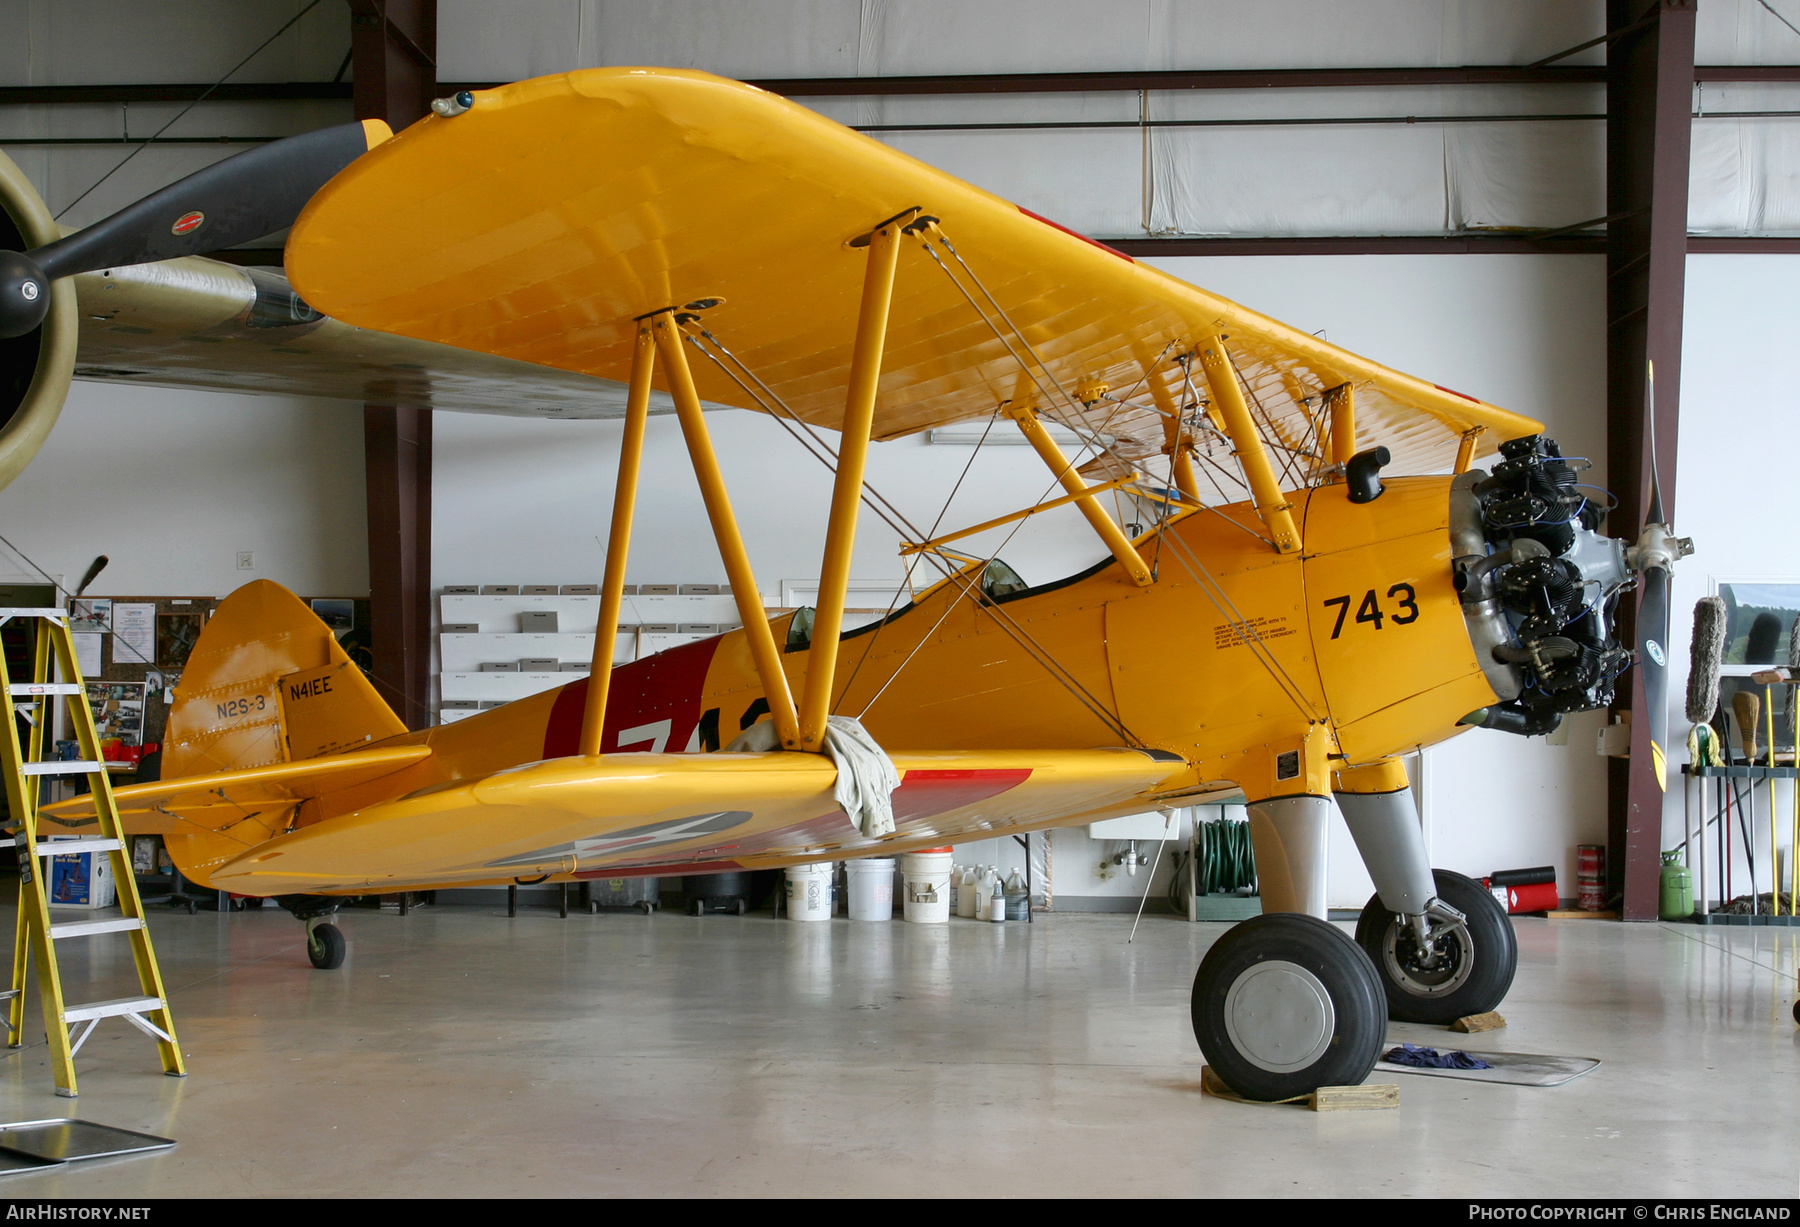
(35, 368)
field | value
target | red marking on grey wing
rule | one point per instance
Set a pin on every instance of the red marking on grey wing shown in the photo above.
(666, 686)
(922, 794)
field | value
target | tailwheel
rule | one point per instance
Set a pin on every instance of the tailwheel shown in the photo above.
(325, 946)
(1284, 1004)
(1461, 968)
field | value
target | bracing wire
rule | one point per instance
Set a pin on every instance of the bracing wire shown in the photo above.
(826, 455)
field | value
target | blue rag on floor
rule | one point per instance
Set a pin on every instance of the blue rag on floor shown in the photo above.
(1431, 1058)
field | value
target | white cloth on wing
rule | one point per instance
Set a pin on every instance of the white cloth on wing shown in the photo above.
(866, 778)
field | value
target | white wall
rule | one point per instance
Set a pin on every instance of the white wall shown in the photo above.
(170, 485)
(1734, 495)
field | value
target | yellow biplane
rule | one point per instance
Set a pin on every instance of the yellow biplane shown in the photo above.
(1289, 624)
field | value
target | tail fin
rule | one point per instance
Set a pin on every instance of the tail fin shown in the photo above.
(266, 683)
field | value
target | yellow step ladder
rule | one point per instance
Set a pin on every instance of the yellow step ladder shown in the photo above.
(25, 767)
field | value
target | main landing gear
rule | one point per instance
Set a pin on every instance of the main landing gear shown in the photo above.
(1284, 1004)
(325, 944)
(1455, 960)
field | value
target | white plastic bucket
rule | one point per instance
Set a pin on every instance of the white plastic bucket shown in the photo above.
(871, 888)
(809, 891)
(927, 878)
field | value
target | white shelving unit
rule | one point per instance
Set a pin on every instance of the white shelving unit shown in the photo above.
(649, 623)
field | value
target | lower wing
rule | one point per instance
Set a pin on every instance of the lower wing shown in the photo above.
(689, 813)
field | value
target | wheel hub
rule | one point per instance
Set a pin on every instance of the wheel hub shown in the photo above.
(1279, 1016)
(1436, 971)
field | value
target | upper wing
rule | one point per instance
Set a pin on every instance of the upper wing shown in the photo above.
(690, 812)
(199, 323)
(543, 221)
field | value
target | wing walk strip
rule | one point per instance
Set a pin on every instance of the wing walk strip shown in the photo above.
(35, 936)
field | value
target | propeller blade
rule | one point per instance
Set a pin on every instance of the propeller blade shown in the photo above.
(244, 197)
(1656, 503)
(93, 573)
(1653, 660)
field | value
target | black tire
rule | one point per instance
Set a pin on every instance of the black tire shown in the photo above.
(1797, 1013)
(697, 907)
(1259, 1016)
(1479, 962)
(325, 947)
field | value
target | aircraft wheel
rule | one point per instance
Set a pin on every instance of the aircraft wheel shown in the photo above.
(1284, 1004)
(1473, 965)
(325, 947)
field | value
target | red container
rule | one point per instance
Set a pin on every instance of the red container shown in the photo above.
(1534, 897)
(1590, 862)
(1593, 896)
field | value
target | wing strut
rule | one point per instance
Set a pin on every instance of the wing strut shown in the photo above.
(847, 490)
(1271, 504)
(618, 543)
(1064, 470)
(1341, 401)
(724, 525)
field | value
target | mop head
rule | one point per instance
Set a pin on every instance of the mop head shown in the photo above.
(1708, 655)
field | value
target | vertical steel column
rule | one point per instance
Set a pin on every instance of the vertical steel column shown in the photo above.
(1265, 492)
(846, 493)
(1649, 88)
(397, 476)
(393, 45)
(1064, 471)
(725, 530)
(618, 541)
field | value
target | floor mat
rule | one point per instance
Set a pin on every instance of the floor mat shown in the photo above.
(1514, 1068)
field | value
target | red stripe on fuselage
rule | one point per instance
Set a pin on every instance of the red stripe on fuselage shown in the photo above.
(667, 686)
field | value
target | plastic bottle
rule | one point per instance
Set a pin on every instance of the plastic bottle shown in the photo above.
(1018, 898)
(996, 908)
(965, 893)
(986, 879)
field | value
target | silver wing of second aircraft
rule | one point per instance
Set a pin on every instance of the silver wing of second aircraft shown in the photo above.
(200, 323)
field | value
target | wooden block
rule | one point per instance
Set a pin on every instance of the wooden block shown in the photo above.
(1578, 914)
(1325, 1099)
(1373, 1097)
(1469, 1024)
(1212, 1084)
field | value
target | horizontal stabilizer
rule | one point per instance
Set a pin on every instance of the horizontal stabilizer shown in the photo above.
(146, 807)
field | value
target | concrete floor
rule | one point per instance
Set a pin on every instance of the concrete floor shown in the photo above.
(458, 1053)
